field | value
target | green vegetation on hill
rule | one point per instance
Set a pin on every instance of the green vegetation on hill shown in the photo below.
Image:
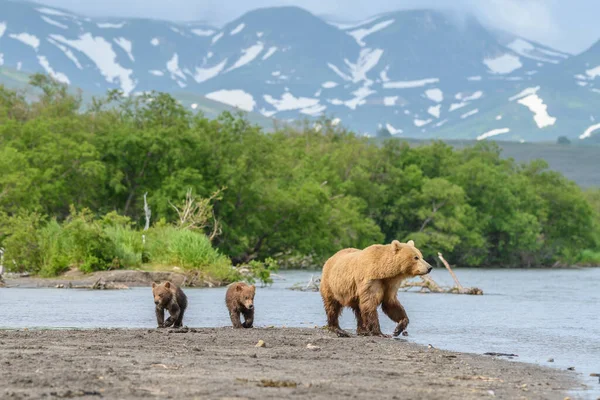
(576, 161)
(219, 190)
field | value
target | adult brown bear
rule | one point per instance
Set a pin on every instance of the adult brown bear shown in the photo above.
(364, 279)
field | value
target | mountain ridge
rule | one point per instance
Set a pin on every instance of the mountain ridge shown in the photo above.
(415, 73)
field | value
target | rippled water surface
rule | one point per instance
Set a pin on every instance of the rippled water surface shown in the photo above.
(537, 314)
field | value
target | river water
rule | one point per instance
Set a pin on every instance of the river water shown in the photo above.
(537, 314)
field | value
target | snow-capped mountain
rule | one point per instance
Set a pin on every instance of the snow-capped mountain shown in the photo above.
(417, 73)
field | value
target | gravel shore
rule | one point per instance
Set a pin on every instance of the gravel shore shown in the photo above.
(218, 363)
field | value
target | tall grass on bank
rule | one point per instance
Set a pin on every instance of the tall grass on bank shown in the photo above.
(51, 248)
(589, 258)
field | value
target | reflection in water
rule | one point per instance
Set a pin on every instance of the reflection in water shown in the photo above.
(537, 314)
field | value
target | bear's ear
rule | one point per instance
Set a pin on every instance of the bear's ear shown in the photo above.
(168, 284)
(153, 285)
(239, 288)
(253, 288)
(411, 243)
(396, 245)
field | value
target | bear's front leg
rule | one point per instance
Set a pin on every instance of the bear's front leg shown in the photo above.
(235, 319)
(393, 309)
(173, 315)
(160, 317)
(248, 318)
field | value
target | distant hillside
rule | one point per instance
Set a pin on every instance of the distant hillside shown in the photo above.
(577, 162)
(18, 80)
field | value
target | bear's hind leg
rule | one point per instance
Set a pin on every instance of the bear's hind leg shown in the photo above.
(360, 325)
(333, 309)
(370, 298)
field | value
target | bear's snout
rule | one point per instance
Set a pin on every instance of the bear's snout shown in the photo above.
(429, 269)
(251, 307)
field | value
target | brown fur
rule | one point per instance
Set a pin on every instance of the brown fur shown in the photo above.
(240, 300)
(168, 296)
(365, 279)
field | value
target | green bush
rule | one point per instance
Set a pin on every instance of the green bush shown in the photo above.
(589, 258)
(54, 246)
(89, 246)
(188, 249)
(19, 238)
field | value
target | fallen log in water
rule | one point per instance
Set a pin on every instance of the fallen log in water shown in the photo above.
(427, 284)
(311, 286)
(98, 285)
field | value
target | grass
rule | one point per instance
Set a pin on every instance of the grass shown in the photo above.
(51, 248)
(590, 258)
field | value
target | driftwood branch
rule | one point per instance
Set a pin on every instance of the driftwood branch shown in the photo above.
(427, 284)
(147, 212)
(198, 214)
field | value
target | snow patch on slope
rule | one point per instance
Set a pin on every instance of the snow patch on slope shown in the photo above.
(367, 59)
(409, 84)
(237, 29)
(59, 76)
(525, 92)
(204, 74)
(390, 101)
(26, 38)
(539, 109)
(109, 25)
(203, 32)
(248, 55)
(493, 132)
(269, 52)
(435, 95)
(53, 22)
(593, 72)
(361, 33)
(125, 45)
(392, 130)
(289, 102)
(67, 52)
(504, 64)
(235, 98)
(588, 132)
(435, 110)
(469, 113)
(50, 11)
(102, 54)
(525, 49)
(216, 38)
(176, 72)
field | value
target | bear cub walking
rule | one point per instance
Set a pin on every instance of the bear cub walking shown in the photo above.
(240, 300)
(169, 296)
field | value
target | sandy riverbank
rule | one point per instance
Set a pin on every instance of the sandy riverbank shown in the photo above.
(118, 279)
(214, 363)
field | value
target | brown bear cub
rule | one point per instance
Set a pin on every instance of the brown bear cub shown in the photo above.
(169, 296)
(240, 300)
(365, 279)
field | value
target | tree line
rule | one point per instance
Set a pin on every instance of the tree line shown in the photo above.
(296, 195)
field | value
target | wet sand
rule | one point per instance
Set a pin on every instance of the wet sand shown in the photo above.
(218, 363)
